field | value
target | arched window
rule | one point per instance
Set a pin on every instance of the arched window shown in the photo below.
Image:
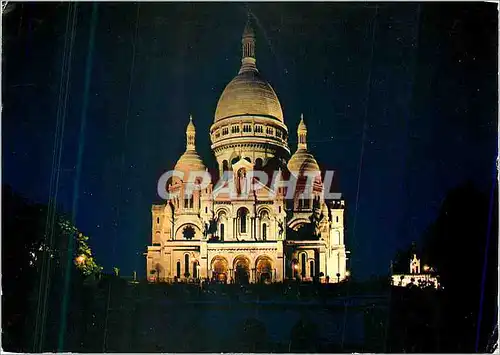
(303, 265)
(222, 231)
(264, 231)
(186, 265)
(235, 160)
(242, 215)
(295, 267)
(195, 270)
(178, 269)
(258, 163)
(311, 268)
(304, 203)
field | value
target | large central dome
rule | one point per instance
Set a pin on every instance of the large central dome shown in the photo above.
(248, 94)
(249, 120)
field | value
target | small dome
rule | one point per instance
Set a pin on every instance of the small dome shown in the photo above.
(248, 94)
(190, 161)
(302, 161)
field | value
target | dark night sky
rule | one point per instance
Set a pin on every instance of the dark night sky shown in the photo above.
(428, 95)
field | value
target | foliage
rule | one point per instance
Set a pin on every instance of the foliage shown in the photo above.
(88, 266)
(38, 242)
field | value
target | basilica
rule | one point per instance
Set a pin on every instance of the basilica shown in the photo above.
(262, 233)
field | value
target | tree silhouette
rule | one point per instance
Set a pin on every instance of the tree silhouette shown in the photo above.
(457, 246)
(31, 261)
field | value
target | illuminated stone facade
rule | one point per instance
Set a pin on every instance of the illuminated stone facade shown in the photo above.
(259, 235)
(418, 276)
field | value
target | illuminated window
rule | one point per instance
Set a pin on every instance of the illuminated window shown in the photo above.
(303, 265)
(295, 267)
(242, 215)
(304, 203)
(186, 265)
(195, 270)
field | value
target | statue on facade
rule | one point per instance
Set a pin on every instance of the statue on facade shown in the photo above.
(207, 229)
(319, 222)
(281, 228)
(241, 182)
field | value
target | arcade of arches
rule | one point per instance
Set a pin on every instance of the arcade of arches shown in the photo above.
(242, 270)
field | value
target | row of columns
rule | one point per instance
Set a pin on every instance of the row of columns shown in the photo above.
(254, 229)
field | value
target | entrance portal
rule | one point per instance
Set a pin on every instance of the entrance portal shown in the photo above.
(241, 271)
(264, 270)
(219, 269)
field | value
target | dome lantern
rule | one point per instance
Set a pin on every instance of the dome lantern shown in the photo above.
(302, 133)
(248, 48)
(190, 135)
